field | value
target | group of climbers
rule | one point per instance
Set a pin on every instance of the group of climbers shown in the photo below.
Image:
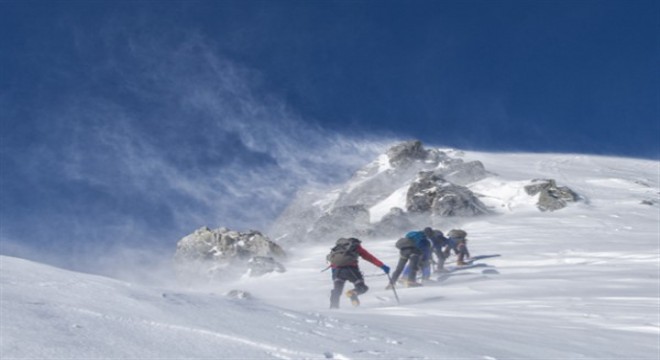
(425, 243)
(416, 251)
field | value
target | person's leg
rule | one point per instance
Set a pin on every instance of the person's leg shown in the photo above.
(414, 264)
(354, 275)
(338, 288)
(404, 254)
(425, 267)
(461, 255)
(447, 252)
(358, 281)
(440, 266)
(406, 272)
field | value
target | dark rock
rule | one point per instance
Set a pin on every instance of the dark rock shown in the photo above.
(552, 197)
(343, 211)
(432, 193)
(405, 153)
(217, 254)
(239, 294)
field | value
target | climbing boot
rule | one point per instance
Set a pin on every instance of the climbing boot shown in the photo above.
(352, 294)
(411, 284)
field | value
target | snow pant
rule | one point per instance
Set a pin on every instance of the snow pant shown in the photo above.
(339, 277)
(424, 265)
(410, 256)
(442, 256)
(462, 253)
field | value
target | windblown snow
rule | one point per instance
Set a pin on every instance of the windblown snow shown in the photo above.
(579, 283)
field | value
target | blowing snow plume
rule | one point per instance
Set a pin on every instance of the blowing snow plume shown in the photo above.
(152, 139)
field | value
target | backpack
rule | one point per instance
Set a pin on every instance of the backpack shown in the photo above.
(405, 242)
(417, 236)
(417, 239)
(457, 234)
(344, 252)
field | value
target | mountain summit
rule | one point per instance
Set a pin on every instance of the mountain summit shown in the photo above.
(409, 186)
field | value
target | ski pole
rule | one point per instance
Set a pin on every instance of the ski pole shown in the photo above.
(393, 289)
(329, 266)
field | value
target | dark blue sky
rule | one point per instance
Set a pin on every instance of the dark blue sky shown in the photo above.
(496, 75)
(118, 118)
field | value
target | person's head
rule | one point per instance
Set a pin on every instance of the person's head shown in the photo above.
(428, 232)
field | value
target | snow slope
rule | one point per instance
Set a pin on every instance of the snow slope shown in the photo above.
(579, 283)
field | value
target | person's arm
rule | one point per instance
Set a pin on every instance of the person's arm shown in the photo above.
(453, 246)
(367, 256)
(439, 253)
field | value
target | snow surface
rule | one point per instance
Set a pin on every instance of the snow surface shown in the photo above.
(579, 283)
(398, 197)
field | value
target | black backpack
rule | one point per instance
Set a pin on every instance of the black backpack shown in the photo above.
(457, 234)
(344, 252)
(405, 242)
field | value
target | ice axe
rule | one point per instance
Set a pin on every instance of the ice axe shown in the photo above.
(393, 289)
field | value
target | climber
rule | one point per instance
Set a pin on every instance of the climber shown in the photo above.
(343, 258)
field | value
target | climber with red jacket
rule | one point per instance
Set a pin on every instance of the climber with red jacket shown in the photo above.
(343, 260)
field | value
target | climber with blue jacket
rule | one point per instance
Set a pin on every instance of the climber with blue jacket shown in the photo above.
(413, 247)
(440, 246)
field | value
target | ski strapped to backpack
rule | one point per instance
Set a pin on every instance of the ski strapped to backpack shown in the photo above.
(344, 252)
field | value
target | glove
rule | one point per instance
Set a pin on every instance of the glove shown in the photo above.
(386, 269)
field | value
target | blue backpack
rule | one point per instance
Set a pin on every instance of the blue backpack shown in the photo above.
(419, 238)
(416, 235)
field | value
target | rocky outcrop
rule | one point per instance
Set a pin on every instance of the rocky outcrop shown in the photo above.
(380, 178)
(217, 254)
(405, 161)
(404, 154)
(432, 193)
(239, 295)
(344, 211)
(551, 196)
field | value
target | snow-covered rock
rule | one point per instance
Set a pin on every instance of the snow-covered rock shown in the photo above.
(432, 193)
(216, 254)
(358, 207)
(551, 196)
